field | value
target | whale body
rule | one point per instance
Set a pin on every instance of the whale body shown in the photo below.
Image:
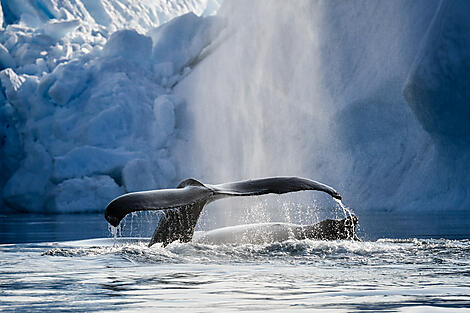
(265, 233)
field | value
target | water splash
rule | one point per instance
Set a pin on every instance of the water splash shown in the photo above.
(381, 252)
(115, 231)
(346, 211)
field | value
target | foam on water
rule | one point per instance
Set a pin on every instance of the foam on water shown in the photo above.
(382, 251)
(124, 274)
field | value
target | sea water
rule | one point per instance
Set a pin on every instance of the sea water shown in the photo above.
(123, 274)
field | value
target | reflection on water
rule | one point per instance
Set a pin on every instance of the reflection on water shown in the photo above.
(26, 228)
(40, 228)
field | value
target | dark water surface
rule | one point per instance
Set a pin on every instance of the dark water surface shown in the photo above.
(28, 228)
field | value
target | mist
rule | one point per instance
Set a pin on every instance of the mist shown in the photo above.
(315, 89)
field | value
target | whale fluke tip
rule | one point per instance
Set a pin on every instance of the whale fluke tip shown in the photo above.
(113, 220)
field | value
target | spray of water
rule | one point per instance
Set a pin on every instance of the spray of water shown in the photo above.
(115, 231)
(346, 211)
(306, 88)
(263, 101)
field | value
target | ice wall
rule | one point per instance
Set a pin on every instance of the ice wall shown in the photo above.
(86, 107)
(315, 88)
(367, 96)
(437, 86)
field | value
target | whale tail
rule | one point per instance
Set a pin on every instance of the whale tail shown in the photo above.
(183, 205)
(177, 224)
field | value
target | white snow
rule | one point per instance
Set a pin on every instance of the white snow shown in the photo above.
(179, 41)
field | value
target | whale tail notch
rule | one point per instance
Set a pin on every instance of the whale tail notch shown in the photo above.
(190, 182)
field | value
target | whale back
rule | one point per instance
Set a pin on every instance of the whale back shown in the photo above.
(266, 233)
(333, 229)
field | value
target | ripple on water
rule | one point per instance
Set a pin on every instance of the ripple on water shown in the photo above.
(126, 275)
(380, 252)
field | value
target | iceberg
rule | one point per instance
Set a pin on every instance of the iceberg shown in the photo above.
(98, 99)
(86, 104)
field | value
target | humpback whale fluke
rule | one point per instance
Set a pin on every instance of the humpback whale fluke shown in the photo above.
(183, 205)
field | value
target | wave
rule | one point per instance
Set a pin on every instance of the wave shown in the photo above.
(385, 252)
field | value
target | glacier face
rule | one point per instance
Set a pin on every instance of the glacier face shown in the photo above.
(437, 86)
(367, 96)
(317, 89)
(86, 105)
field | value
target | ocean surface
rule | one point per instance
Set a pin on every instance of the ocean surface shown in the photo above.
(50, 264)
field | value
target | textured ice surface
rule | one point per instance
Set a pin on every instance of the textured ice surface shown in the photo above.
(437, 88)
(85, 107)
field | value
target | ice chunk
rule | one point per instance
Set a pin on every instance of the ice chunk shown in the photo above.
(211, 7)
(164, 111)
(70, 80)
(88, 161)
(5, 58)
(8, 13)
(83, 194)
(26, 48)
(30, 13)
(25, 190)
(1, 26)
(97, 11)
(129, 45)
(11, 83)
(108, 128)
(58, 29)
(181, 40)
(167, 171)
(137, 175)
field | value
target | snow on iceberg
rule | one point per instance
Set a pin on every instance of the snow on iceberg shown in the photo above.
(181, 40)
(85, 104)
(129, 45)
